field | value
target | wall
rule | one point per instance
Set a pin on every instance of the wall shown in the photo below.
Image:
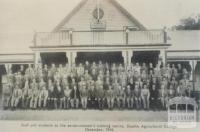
(115, 19)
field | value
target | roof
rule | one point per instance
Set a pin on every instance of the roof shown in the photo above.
(114, 2)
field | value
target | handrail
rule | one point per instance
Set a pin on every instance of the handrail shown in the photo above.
(99, 37)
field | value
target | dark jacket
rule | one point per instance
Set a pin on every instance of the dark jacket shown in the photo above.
(154, 94)
(75, 94)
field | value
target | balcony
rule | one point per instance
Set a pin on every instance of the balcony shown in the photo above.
(115, 37)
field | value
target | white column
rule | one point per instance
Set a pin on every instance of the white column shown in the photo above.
(162, 57)
(125, 56)
(68, 56)
(130, 55)
(37, 58)
(73, 57)
(193, 64)
(8, 68)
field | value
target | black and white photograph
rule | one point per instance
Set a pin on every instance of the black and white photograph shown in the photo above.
(99, 60)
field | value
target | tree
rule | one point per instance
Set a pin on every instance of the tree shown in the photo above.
(189, 23)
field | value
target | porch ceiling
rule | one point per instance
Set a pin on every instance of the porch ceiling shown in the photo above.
(139, 47)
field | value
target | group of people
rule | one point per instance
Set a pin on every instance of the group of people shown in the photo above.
(96, 86)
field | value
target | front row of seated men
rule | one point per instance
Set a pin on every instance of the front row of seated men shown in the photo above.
(54, 96)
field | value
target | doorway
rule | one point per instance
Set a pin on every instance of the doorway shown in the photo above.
(145, 57)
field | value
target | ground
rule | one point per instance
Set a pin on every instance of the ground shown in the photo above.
(87, 115)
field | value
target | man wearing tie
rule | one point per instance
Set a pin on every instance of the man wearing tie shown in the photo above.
(75, 96)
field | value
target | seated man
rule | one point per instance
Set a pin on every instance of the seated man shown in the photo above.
(100, 96)
(137, 96)
(75, 97)
(43, 96)
(171, 92)
(121, 97)
(66, 99)
(92, 97)
(34, 98)
(145, 95)
(129, 97)
(84, 96)
(110, 98)
(16, 97)
(51, 94)
(188, 91)
(59, 96)
(154, 97)
(26, 95)
(184, 84)
(7, 95)
(163, 96)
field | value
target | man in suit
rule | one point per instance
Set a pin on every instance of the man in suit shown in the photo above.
(29, 72)
(66, 99)
(51, 94)
(163, 97)
(184, 85)
(154, 94)
(145, 95)
(129, 97)
(16, 97)
(110, 98)
(100, 95)
(52, 71)
(137, 96)
(59, 96)
(75, 97)
(92, 97)
(35, 95)
(84, 96)
(120, 96)
(26, 95)
(43, 96)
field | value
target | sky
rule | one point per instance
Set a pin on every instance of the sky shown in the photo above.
(19, 19)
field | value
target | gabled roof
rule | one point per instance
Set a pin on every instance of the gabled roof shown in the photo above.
(114, 2)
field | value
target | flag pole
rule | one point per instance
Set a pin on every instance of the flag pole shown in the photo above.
(98, 10)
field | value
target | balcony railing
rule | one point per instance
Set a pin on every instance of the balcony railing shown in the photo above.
(69, 38)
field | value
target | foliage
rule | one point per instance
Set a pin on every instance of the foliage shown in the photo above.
(189, 23)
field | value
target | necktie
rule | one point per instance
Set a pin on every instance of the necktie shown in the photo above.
(17, 93)
(74, 93)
